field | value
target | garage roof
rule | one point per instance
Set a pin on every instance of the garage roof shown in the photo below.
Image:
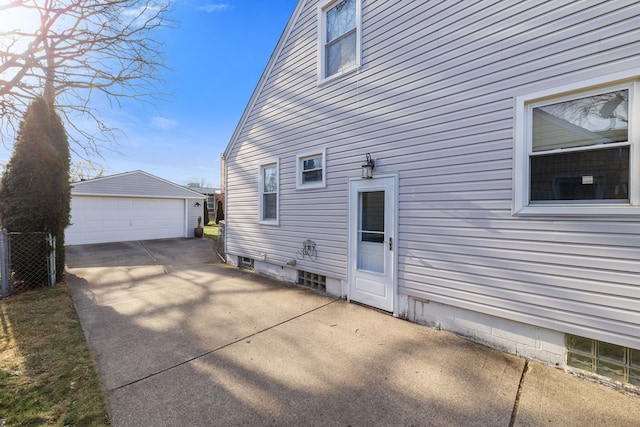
(133, 184)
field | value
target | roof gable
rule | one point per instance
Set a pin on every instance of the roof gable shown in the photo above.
(133, 184)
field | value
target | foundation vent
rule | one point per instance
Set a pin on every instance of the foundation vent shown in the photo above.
(312, 280)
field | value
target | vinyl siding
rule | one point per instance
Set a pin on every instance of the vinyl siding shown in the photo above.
(434, 103)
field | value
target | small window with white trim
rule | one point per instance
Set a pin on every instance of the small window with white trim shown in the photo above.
(311, 170)
(339, 38)
(268, 203)
(574, 152)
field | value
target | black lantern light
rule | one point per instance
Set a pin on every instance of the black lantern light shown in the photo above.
(367, 168)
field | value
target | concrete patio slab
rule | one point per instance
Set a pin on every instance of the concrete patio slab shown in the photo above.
(181, 339)
(340, 364)
(143, 320)
(553, 397)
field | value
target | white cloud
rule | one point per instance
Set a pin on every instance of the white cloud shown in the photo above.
(140, 15)
(141, 10)
(215, 7)
(163, 123)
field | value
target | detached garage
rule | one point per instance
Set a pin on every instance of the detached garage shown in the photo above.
(131, 206)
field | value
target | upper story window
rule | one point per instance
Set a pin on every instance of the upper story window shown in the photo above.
(311, 170)
(339, 37)
(268, 203)
(576, 153)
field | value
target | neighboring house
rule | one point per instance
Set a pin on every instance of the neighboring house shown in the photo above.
(214, 198)
(131, 206)
(505, 198)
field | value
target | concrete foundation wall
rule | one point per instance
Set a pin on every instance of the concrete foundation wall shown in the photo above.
(279, 272)
(540, 344)
(231, 259)
(334, 287)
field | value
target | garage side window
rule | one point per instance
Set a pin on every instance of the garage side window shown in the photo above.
(268, 203)
(578, 151)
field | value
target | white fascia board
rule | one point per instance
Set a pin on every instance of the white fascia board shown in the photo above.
(136, 196)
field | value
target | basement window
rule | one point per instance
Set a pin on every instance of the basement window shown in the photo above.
(312, 280)
(245, 263)
(610, 360)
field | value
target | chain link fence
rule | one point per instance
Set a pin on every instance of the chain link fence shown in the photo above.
(27, 261)
(219, 244)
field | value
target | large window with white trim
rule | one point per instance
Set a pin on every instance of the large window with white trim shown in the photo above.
(268, 203)
(339, 37)
(575, 152)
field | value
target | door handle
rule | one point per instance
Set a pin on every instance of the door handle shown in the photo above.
(390, 243)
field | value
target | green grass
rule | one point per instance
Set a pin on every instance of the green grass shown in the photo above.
(47, 374)
(211, 232)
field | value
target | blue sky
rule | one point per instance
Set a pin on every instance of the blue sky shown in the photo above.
(217, 55)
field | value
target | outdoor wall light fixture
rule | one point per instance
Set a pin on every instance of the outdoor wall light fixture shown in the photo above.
(197, 205)
(367, 168)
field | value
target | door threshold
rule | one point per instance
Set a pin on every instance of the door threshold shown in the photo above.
(371, 307)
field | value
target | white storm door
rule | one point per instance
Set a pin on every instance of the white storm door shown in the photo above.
(372, 212)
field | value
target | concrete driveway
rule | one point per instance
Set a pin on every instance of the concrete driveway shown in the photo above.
(182, 339)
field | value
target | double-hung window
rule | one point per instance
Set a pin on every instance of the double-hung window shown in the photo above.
(311, 170)
(339, 38)
(577, 153)
(268, 204)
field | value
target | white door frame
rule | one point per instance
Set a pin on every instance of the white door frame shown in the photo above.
(378, 182)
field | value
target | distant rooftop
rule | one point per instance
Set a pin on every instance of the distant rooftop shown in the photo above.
(196, 186)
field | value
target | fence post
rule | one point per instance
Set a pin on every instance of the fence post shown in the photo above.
(4, 263)
(51, 259)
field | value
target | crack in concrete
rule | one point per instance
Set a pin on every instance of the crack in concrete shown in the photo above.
(516, 403)
(206, 353)
(155, 260)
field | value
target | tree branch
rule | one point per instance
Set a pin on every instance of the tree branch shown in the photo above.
(81, 47)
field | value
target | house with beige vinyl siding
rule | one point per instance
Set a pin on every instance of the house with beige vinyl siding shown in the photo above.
(504, 202)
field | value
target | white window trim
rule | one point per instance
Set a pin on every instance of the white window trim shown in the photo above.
(322, 31)
(299, 169)
(263, 165)
(522, 147)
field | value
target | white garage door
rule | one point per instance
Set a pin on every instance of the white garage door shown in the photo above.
(120, 219)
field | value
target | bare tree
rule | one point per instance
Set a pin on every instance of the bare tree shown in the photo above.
(76, 51)
(82, 170)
